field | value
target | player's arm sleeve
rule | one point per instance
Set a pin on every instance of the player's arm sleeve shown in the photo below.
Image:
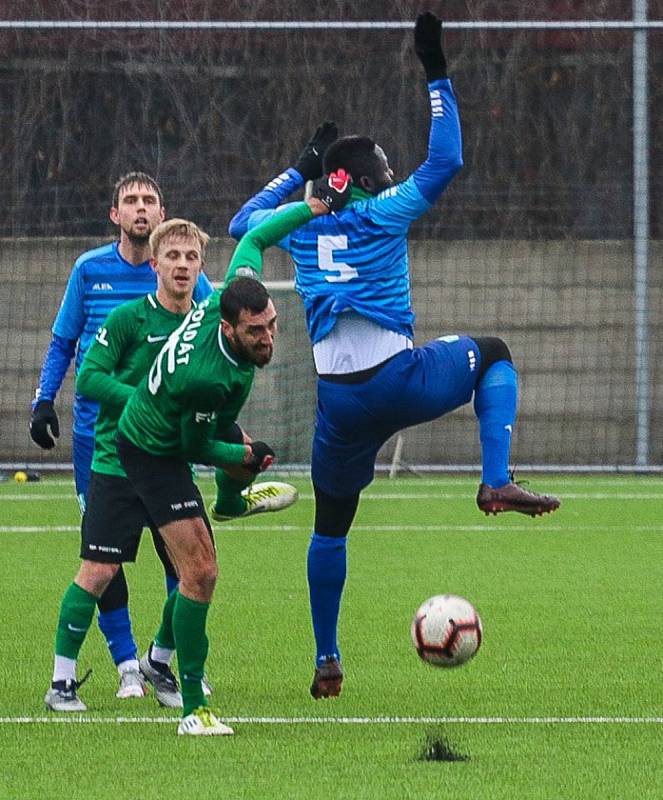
(247, 258)
(95, 377)
(200, 447)
(67, 328)
(70, 319)
(269, 197)
(445, 143)
(203, 288)
(55, 366)
(397, 207)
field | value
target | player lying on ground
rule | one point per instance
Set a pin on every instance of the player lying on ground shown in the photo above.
(100, 280)
(197, 384)
(120, 357)
(352, 274)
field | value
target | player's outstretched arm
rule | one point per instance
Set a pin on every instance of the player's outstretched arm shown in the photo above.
(308, 166)
(445, 148)
(330, 194)
(428, 46)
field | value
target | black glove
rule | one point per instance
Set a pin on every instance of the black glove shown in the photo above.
(428, 46)
(262, 459)
(43, 418)
(333, 190)
(309, 163)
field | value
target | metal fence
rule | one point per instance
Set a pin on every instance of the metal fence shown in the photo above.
(548, 237)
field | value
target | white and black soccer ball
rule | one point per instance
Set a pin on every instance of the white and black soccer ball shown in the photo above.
(446, 630)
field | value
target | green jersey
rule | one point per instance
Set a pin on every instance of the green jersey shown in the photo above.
(197, 385)
(118, 359)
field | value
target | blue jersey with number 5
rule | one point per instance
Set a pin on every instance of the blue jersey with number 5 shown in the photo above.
(357, 259)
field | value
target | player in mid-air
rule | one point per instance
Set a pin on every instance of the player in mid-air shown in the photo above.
(102, 279)
(120, 356)
(195, 388)
(352, 274)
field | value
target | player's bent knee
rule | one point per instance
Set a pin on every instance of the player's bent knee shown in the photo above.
(198, 580)
(334, 515)
(492, 349)
(95, 577)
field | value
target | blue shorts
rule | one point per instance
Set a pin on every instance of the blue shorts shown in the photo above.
(353, 421)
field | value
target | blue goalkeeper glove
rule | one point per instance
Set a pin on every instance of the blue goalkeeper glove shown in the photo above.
(428, 46)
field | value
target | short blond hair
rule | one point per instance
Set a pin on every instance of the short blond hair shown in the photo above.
(178, 227)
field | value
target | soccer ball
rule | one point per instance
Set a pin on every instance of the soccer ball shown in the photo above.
(446, 630)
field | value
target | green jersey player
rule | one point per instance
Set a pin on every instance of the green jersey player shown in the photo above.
(195, 388)
(118, 358)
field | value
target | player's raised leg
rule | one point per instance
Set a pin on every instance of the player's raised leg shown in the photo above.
(238, 496)
(496, 404)
(235, 499)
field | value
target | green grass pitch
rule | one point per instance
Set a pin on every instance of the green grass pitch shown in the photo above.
(564, 699)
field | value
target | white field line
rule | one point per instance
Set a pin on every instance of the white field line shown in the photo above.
(91, 720)
(395, 496)
(441, 527)
(443, 480)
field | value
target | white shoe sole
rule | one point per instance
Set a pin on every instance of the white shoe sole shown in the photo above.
(64, 708)
(197, 729)
(132, 691)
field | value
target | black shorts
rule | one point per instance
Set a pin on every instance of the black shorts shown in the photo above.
(113, 521)
(164, 484)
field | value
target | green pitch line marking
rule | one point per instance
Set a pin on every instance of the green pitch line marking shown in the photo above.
(76, 719)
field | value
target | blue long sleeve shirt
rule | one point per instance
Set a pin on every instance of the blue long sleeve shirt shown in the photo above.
(100, 280)
(356, 259)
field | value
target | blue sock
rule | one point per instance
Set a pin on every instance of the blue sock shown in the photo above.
(496, 404)
(326, 578)
(171, 584)
(116, 627)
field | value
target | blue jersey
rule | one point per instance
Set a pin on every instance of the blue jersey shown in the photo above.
(100, 280)
(357, 260)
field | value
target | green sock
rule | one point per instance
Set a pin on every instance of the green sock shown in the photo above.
(165, 637)
(189, 620)
(229, 500)
(76, 614)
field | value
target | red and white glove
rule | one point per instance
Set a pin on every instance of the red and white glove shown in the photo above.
(333, 190)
